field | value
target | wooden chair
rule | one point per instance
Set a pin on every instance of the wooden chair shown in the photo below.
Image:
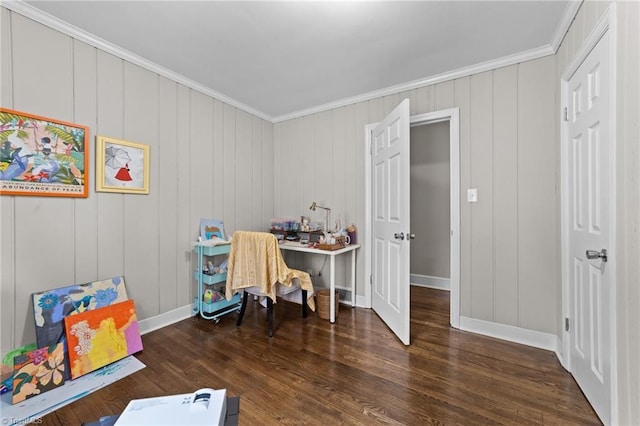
(270, 315)
(256, 267)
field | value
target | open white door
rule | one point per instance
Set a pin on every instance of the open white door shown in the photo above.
(589, 227)
(390, 220)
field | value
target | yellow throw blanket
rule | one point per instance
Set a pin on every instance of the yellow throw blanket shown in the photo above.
(255, 260)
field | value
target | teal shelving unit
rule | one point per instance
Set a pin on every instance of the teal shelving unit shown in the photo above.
(215, 310)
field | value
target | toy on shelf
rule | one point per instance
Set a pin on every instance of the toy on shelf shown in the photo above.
(211, 296)
(208, 296)
(211, 269)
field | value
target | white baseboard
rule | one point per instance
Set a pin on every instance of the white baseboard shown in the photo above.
(154, 323)
(510, 333)
(361, 301)
(429, 281)
(559, 352)
(537, 339)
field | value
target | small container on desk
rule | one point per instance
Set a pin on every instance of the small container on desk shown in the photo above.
(310, 236)
(340, 242)
(213, 310)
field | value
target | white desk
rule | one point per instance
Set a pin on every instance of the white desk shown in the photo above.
(296, 246)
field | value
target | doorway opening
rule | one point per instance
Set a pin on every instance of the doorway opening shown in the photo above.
(450, 116)
(430, 205)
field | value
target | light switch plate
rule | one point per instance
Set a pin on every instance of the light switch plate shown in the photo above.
(472, 195)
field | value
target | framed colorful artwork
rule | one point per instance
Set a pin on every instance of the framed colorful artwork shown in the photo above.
(37, 371)
(101, 336)
(121, 166)
(51, 306)
(211, 228)
(42, 156)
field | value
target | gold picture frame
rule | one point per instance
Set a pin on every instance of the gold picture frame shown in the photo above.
(121, 166)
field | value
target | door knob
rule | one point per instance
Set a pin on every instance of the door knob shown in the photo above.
(399, 236)
(411, 236)
(594, 254)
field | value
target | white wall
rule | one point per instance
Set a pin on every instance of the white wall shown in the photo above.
(628, 209)
(208, 159)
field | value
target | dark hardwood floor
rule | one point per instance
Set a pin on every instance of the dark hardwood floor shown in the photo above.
(354, 372)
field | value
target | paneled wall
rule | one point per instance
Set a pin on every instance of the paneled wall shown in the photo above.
(510, 254)
(208, 160)
(628, 212)
(627, 249)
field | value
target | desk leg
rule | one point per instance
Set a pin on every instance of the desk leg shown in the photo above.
(332, 303)
(353, 278)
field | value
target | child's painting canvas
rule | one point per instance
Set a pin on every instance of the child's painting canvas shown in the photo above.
(51, 306)
(37, 371)
(211, 229)
(101, 336)
(6, 368)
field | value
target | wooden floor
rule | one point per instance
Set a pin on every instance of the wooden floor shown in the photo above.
(354, 372)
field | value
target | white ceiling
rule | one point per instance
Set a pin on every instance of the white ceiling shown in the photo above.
(281, 58)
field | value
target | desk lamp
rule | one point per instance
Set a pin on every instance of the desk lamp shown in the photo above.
(315, 206)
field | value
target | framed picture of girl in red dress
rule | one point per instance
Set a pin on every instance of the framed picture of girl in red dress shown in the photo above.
(121, 166)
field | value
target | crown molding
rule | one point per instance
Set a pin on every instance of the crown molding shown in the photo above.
(603, 25)
(570, 12)
(439, 78)
(22, 8)
(28, 11)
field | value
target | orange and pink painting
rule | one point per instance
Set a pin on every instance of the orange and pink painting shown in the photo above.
(101, 336)
(51, 306)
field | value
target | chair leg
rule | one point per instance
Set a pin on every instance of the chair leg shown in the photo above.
(270, 315)
(245, 296)
(304, 303)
